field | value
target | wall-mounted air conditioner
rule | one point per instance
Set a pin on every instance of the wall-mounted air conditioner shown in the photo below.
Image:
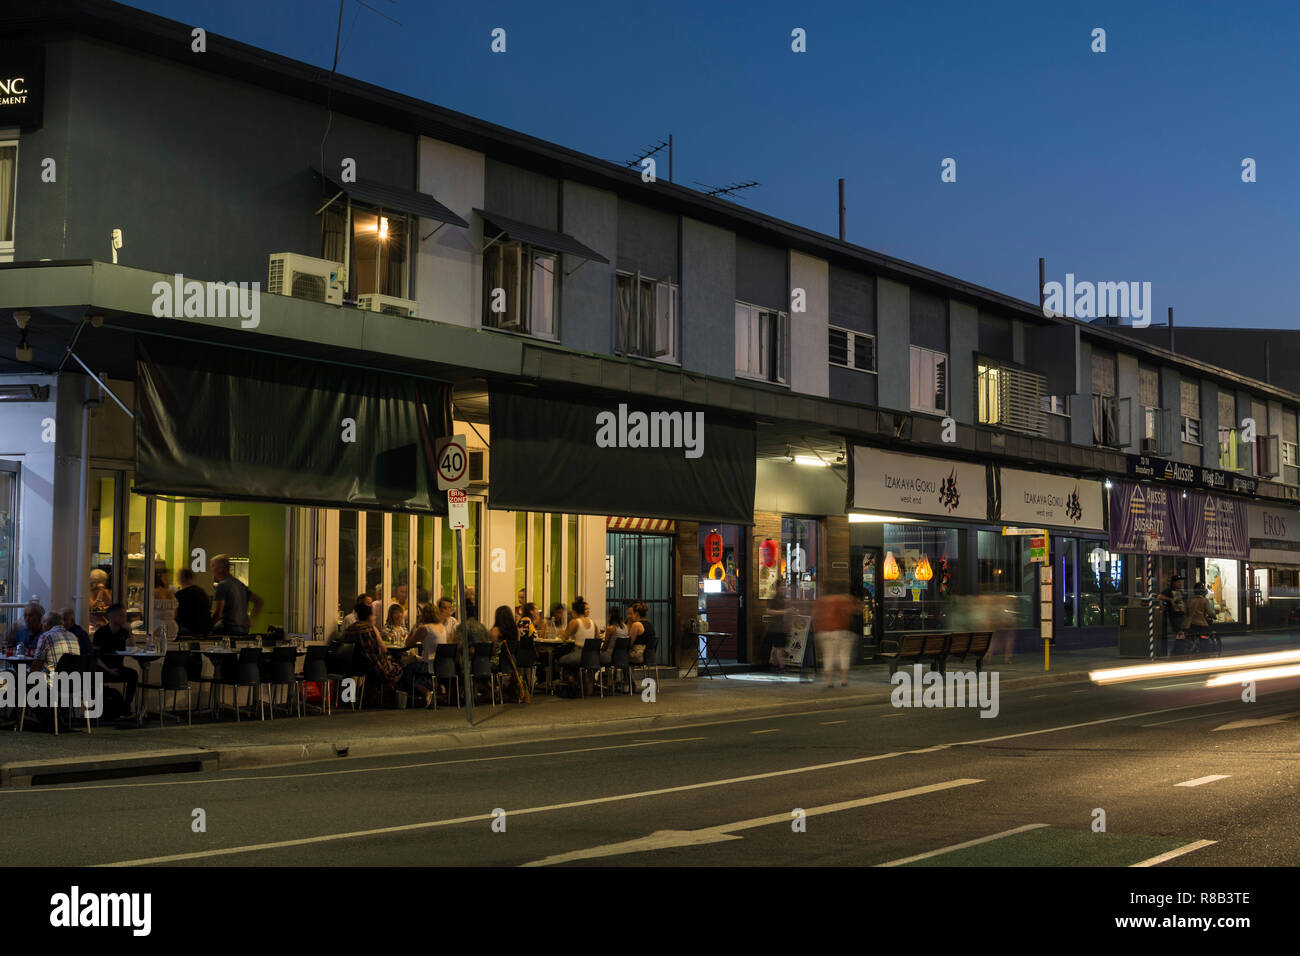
(302, 277)
(478, 467)
(1150, 446)
(387, 304)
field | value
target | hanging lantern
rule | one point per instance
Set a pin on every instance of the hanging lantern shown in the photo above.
(891, 567)
(767, 552)
(923, 570)
(713, 548)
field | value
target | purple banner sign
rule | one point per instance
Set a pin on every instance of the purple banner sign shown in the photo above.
(1215, 527)
(1177, 522)
(1140, 510)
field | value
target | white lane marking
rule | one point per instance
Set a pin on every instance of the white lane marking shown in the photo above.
(1195, 683)
(59, 788)
(773, 730)
(961, 846)
(668, 839)
(1257, 721)
(1217, 713)
(827, 723)
(1157, 860)
(648, 793)
(1203, 780)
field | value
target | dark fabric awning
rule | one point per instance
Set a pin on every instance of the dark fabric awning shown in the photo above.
(499, 227)
(213, 422)
(619, 455)
(397, 199)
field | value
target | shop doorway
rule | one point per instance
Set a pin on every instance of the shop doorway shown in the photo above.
(641, 569)
(864, 584)
(721, 607)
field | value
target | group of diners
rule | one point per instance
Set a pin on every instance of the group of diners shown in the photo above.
(401, 657)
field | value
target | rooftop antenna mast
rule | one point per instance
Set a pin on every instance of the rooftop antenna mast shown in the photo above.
(721, 191)
(650, 151)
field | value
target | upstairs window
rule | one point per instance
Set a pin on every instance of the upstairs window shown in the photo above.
(8, 197)
(1190, 411)
(1010, 397)
(929, 381)
(520, 292)
(378, 248)
(760, 343)
(849, 349)
(645, 316)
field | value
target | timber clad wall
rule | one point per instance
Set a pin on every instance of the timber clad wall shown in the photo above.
(687, 548)
(830, 578)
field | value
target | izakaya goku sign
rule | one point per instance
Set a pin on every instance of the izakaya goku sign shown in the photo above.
(1038, 499)
(887, 483)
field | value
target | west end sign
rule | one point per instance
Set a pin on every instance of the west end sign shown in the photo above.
(1192, 476)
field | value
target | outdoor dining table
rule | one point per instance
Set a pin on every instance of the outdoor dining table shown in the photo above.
(217, 652)
(549, 647)
(16, 659)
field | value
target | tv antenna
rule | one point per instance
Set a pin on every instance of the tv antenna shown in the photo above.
(649, 151)
(719, 191)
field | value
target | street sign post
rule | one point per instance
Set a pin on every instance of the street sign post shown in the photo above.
(452, 460)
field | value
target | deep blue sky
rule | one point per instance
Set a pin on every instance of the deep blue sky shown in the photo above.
(1117, 166)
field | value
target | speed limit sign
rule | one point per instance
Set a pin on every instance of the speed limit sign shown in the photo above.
(453, 463)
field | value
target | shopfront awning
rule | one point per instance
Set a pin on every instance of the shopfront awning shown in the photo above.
(214, 422)
(397, 199)
(610, 454)
(501, 229)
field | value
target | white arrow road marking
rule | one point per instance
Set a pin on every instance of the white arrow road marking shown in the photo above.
(962, 846)
(1157, 860)
(668, 839)
(1258, 721)
(1202, 780)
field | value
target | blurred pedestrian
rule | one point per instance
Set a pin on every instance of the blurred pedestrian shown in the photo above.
(832, 623)
(778, 626)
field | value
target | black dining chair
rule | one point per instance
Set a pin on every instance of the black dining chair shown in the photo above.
(338, 665)
(480, 667)
(590, 661)
(621, 661)
(444, 668)
(281, 671)
(315, 670)
(526, 661)
(650, 661)
(243, 671)
(73, 665)
(175, 677)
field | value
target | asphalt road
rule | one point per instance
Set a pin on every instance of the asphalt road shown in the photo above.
(877, 784)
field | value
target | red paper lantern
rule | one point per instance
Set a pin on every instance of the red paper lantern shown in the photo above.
(713, 548)
(767, 552)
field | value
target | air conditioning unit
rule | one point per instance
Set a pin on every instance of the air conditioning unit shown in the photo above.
(478, 467)
(302, 277)
(387, 304)
(1150, 446)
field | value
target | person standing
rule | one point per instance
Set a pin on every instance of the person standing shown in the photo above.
(777, 626)
(230, 599)
(1170, 600)
(165, 604)
(193, 607)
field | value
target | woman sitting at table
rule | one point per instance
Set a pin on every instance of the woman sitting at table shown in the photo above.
(613, 631)
(553, 629)
(503, 629)
(433, 630)
(395, 631)
(641, 629)
(581, 628)
(530, 622)
(381, 663)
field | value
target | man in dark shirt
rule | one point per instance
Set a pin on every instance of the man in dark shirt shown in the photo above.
(24, 635)
(1171, 619)
(230, 600)
(109, 640)
(193, 609)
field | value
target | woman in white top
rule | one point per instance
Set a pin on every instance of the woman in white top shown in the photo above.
(164, 606)
(581, 628)
(432, 631)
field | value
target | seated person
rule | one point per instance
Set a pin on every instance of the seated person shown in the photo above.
(110, 640)
(641, 629)
(53, 643)
(395, 631)
(1199, 614)
(580, 628)
(381, 664)
(613, 631)
(23, 634)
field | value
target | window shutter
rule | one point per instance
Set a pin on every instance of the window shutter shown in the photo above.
(864, 353)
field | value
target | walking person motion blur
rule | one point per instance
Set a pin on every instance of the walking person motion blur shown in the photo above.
(1171, 601)
(832, 622)
(1200, 617)
(778, 612)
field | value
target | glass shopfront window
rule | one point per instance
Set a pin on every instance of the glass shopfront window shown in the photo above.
(798, 559)
(1221, 588)
(919, 577)
(1004, 569)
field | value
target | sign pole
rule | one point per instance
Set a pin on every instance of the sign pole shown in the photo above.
(464, 629)
(1151, 609)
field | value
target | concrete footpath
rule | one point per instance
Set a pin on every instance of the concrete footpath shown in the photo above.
(109, 751)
